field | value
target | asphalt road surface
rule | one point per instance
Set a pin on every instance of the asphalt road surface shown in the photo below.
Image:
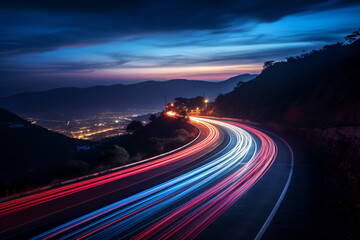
(226, 184)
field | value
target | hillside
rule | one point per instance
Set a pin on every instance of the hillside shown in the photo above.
(32, 156)
(30, 153)
(72, 102)
(317, 89)
(314, 97)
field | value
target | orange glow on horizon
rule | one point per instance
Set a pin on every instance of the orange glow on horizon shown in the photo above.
(208, 73)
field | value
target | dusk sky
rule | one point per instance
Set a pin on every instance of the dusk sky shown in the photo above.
(46, 44)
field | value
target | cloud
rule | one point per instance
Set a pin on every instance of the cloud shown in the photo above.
(179, 11)
(40, 26)
(252, 54)
(61, 67)
(55, 41)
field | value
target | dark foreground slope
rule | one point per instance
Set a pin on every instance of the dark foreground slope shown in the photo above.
(30, 153)
(146, 96)
(32, 156)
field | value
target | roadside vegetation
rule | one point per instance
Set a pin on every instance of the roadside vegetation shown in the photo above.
(314, 96)
(162, 134)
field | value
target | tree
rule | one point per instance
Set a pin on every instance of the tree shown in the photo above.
(181, 133)
(115, 156)
(353, 37)
(184, 116)
(190, 103)
(240, 84)
(120, 154)
(134, 126)
(289, 59)
(152, 117)
(268, 64)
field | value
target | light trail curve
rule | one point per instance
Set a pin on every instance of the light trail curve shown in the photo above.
(173, 196)
(181, 207)
(44, 206)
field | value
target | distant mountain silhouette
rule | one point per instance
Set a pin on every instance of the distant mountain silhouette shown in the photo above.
(321, 88)
(71, 102)
(29, 152)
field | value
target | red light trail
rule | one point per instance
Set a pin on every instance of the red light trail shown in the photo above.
(229, 157)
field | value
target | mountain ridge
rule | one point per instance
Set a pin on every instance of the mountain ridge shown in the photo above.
(148, 96)
(251, 76)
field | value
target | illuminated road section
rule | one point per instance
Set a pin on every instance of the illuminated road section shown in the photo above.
(179, 208)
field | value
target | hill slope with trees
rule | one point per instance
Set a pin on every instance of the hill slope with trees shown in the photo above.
(314, 97)
(316, 89)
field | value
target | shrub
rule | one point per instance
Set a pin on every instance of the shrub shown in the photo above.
(73, 169)
(115, 156)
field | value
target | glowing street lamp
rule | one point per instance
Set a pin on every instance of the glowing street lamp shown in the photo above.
(206, 102)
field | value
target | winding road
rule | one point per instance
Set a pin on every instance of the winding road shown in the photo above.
(226, 184)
